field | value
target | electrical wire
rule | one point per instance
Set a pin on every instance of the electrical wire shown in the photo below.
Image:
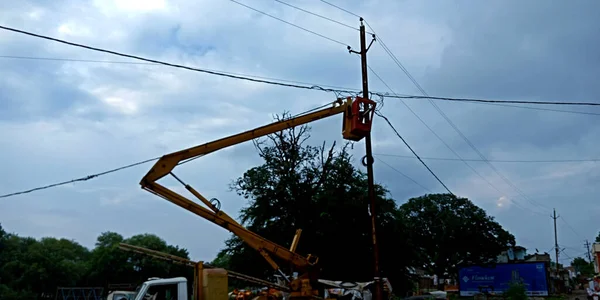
(317, 15)
(413, 151)
(334, 88)
(543, 109)
(401, 173)
(289, 23)
(452, 150)
(344, 10)
(407, 73)
(498, 101)
(451, 123)
(86, 178)
(337, 88)
(571, 227)
(168, 64)
(271, 82)
(495, 160)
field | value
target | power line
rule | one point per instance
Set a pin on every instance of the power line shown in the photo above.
(498, 101)
(339, 88)
(401, 173)
(274, 82)
(170, 64)
(344, 10)
(317, 15)
(413, 151)
(543, 109)
(495, 160)
(426, 96)
(78, 60)
(289, 23)
(86, 178)
(334, 88)
(571, 227)
(451, 123)
(450, 148)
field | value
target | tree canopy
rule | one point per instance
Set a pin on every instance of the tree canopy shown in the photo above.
(581, 265)
(449, 231)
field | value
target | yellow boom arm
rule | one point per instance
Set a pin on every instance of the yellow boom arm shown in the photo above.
(357, 123)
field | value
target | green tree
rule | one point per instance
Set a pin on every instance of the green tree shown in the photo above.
(318, 190)
(448, 231)
(110, 264)
(29, 267)
(584, 267)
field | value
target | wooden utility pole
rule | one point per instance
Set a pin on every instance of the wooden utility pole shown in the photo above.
(555, 241)
(368, 159)
(587, 247)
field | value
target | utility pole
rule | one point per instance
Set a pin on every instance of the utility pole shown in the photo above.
(555, 241)
(587, 247)
(368, 160)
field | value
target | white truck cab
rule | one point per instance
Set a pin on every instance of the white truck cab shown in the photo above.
(212, 285)
(163, 289)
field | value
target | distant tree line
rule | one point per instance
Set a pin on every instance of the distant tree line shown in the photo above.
(33, 269)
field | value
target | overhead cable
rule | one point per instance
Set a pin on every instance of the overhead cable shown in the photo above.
(166, 63)
(401, 173)
(273, 82)
(490, 184)
(451, 123)
(318, 15)
(86, 178)
(241, 75)
(344, 10)
(496, 160)
(413, 151)
(289, 23)
(498, 101)
(336, 88)
(571, 227)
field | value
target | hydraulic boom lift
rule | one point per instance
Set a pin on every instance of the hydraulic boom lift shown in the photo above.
(358, 115)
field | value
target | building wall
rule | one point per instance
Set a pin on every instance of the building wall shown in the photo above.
(596, 255)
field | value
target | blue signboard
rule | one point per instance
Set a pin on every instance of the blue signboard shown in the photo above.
(474, 280)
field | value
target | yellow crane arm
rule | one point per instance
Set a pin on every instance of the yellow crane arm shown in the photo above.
(358, 115)
(168, 162)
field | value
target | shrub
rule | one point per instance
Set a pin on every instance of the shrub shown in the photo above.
(515, 291)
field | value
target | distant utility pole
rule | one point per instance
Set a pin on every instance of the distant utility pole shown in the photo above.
(587, 247)
(555, 241)
(368, 161)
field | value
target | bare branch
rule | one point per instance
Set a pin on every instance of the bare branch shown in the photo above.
(258, 145)
(326, 166)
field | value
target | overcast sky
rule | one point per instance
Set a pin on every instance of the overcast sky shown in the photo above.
(67, 119)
